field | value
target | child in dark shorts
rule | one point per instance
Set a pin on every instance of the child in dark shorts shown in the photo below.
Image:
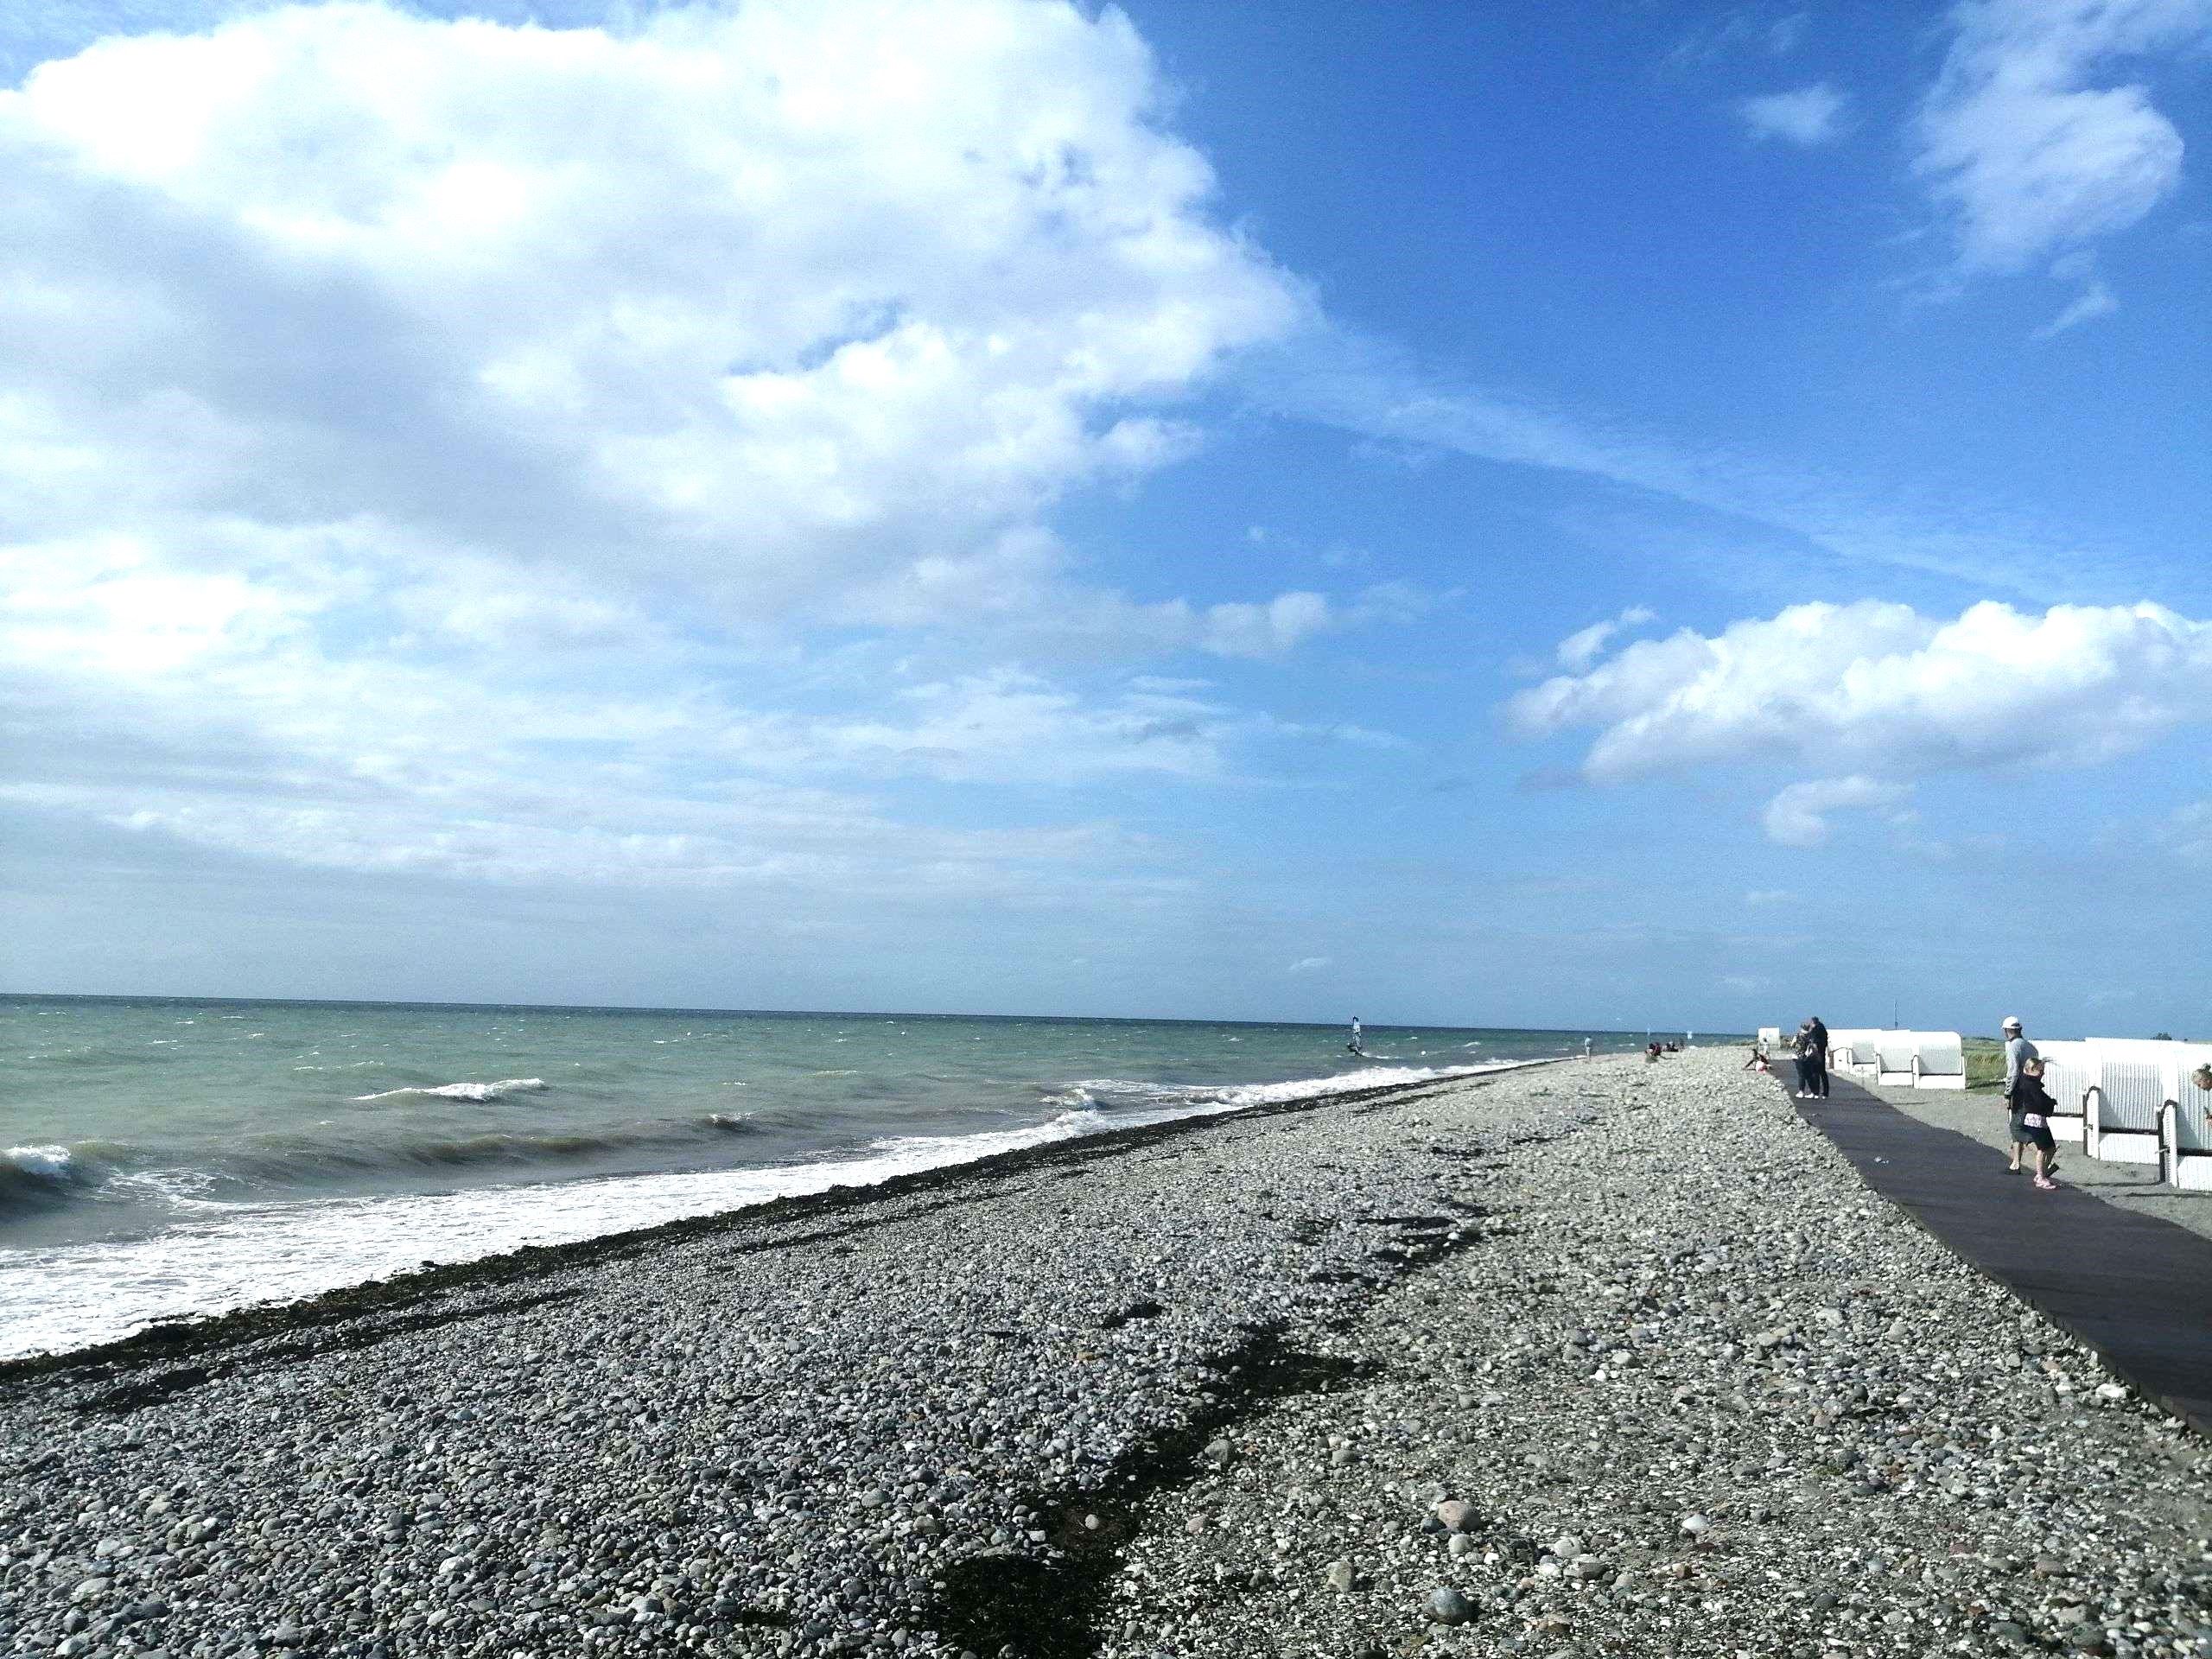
(2032, 1106)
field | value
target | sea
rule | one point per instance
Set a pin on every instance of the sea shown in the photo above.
(165, 1157)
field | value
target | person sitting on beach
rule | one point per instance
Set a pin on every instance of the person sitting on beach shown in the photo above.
(2032, 1106)
(1757, 1062)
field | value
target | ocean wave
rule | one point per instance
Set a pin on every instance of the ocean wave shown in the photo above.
(477, 1091)
(730, 1123)
(49, 1163)
(1122, 1094)
(292, 1166)
(39, 1176)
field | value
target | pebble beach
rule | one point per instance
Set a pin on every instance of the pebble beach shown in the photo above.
(1595, 1358)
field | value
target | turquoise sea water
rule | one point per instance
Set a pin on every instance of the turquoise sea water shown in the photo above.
(164, 1157)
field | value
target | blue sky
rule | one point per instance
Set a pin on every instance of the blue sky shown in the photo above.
(1667, 515)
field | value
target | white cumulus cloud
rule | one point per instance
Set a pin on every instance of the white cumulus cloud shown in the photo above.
(427, 443)
(1879, 688)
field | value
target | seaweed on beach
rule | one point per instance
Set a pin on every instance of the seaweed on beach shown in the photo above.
(1048, 1606)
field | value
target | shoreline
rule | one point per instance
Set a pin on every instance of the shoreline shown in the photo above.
(1598, 1358)
(187, 1335)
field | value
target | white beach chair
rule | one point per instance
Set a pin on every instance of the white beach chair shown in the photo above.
(1939, 1061)
(1893, 1058)
(2185, 1118)
(2121, 1114)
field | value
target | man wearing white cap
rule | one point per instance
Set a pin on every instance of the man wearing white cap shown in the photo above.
(2019, 1050)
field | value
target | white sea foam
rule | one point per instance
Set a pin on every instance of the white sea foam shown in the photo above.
(1134, 1102)
(70, 1296)
(468, 1091)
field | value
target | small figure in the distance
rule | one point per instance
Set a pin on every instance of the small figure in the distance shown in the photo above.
(1355, 1046)
(1758, 1061)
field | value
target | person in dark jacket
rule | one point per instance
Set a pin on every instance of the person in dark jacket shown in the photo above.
(2032, 1106)
(1819, 1035)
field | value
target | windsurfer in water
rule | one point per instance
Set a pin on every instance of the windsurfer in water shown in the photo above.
(1353, 1047)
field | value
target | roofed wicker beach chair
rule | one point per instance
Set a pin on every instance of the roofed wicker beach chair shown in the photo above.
(2185, 1121)
(1940, 1061)
(2121, 1112)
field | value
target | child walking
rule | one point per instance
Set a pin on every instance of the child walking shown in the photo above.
(2032, 1108)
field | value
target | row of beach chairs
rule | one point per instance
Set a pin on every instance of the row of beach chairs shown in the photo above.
(2131, 1101)
(1900, 1059)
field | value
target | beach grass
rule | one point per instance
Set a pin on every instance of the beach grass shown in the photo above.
(1985, 1063)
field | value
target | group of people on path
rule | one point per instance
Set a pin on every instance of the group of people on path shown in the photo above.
(2031, 1104)
(1810, 1049)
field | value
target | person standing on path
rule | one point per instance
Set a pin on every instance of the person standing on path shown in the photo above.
(2019, 1050)
(1819, 1034)
(1800, 1047)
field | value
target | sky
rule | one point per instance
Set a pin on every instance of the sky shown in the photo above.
(1655, 515)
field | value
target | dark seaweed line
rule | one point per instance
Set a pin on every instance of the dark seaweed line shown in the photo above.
(1051, 1605)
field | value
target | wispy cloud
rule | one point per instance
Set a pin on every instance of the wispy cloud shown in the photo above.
(1759, 31)
(1369, 388)
(1579, 650)
(1808, 115)
(2022, 149)
(2095, 299)
(1309, 965)
(2186, 832)
(1798, 815)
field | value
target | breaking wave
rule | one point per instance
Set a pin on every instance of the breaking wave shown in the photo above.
(478, 1091)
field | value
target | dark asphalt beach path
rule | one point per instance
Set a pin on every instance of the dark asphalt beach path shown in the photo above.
(2136, 1289)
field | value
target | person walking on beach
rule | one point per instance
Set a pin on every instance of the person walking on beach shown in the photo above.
(2032, 1106)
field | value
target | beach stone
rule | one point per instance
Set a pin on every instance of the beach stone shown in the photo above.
(1339, 1576)
(1456, 1515)
(1447, 1606)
